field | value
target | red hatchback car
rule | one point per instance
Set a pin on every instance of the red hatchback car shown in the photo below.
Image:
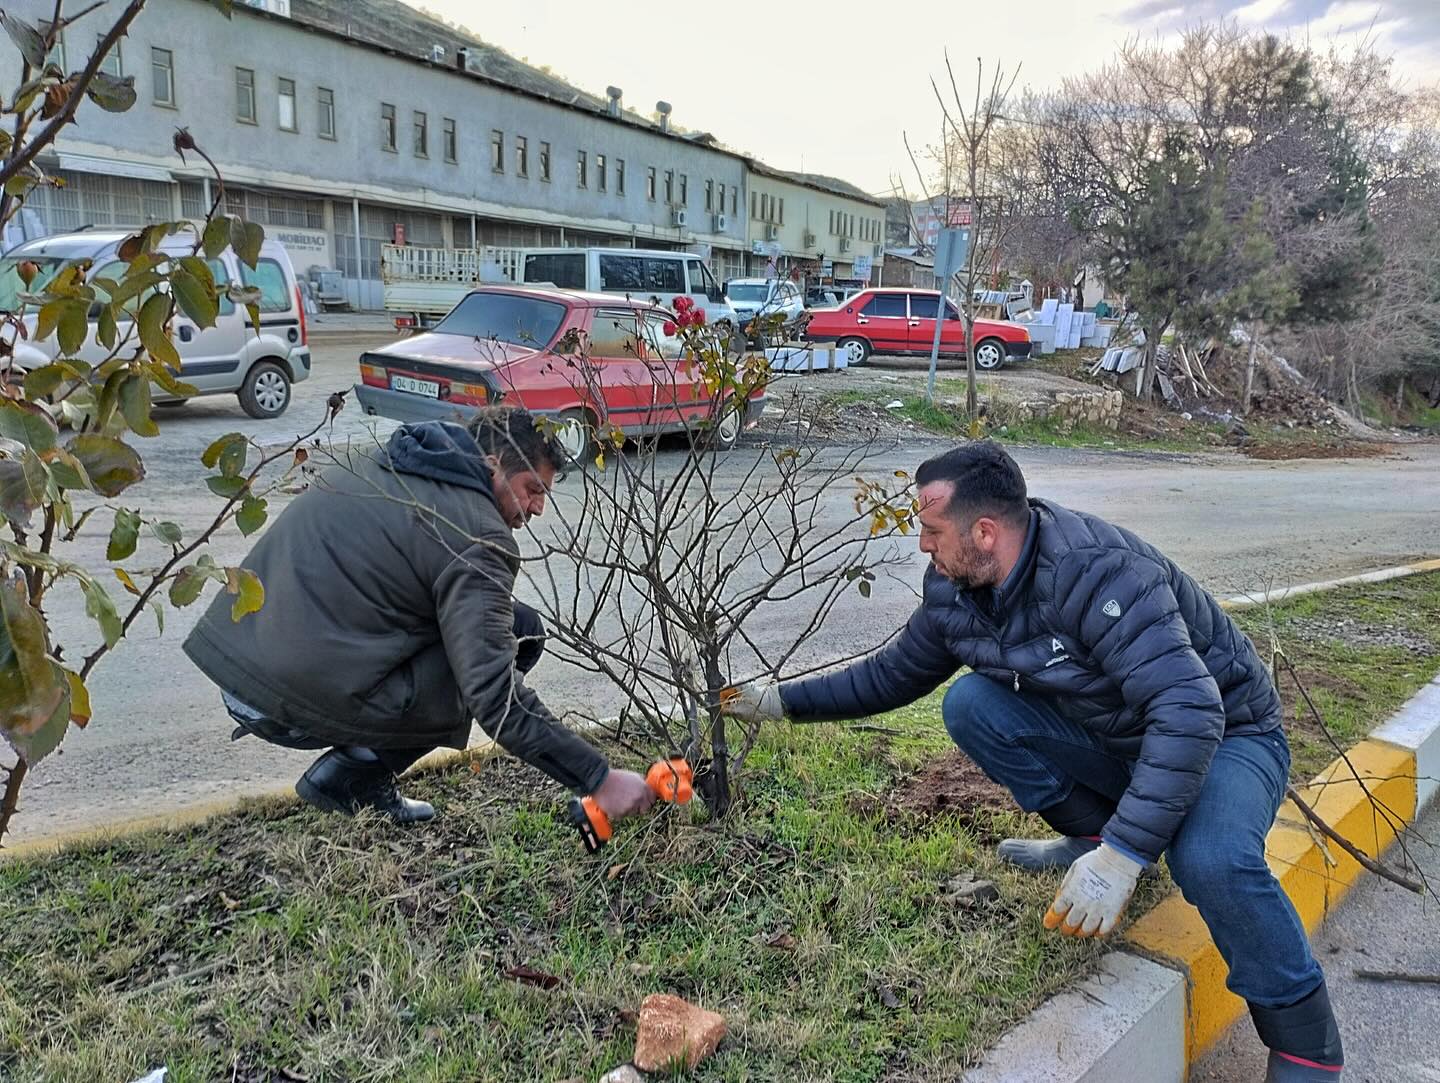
(503, 343)
(902, 321)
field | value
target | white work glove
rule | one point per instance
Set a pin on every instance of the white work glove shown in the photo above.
(1094, 892)
(755, 701)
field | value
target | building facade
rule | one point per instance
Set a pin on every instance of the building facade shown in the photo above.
(339, 145)
(812, 227)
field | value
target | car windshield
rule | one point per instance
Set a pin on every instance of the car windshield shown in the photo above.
(747, 291)
(10, 285)
(507, 317)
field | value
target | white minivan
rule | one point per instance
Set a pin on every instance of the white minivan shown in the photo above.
(638, 273)
(230, 358)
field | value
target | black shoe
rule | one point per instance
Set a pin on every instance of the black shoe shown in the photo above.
(340, 781)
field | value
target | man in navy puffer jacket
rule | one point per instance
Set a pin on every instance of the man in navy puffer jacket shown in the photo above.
(1113, 697)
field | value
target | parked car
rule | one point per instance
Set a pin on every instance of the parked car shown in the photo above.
(228, 358)
(500, 344)
(828, 296)
(902, 321)
(636, 272)
(765, 297)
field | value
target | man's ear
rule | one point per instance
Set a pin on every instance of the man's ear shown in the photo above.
(985, 534)
(493, 462)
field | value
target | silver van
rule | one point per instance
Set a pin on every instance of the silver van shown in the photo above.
(227, 359)
(638, 273)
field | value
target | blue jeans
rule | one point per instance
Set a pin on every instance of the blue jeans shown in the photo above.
(1218, 855)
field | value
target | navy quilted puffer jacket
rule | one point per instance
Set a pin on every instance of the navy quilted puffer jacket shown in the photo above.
(1124, 643)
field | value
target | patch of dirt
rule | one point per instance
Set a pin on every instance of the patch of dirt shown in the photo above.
(953, 783)
(1318, 449)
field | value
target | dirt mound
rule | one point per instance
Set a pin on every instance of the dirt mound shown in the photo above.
(953, 783)
(1337, 448)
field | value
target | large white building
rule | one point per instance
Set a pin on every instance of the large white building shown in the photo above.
(342, 125)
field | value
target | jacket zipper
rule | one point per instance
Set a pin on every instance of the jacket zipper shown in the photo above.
(1017, 679)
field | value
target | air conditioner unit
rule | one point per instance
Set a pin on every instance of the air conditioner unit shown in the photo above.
(772, 232)
(679, 217)
(722, 223)
(809, 239)
(844, 244)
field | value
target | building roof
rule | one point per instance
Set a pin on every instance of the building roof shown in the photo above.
(396, 28)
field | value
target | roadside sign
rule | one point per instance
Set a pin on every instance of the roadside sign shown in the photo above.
(950, 252)
(862, 268)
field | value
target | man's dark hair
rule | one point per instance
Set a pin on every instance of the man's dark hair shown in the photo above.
(510, 434)
(985, 481)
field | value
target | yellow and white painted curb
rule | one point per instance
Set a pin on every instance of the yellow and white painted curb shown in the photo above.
(1159, 1002)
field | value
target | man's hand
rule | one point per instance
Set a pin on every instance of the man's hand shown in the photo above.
(623, 793)
(757, 701)
(1094, 892)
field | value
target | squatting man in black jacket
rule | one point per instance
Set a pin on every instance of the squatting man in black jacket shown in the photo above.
(1114, 698)
(389, 624)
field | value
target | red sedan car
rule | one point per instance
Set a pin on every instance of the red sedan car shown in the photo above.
(518, 345)
(902, 321)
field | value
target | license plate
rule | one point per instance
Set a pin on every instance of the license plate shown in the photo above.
(428, 388)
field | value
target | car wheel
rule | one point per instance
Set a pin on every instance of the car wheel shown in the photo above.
(575, 431)
(266, 390)
(856, 350)
(990, 354)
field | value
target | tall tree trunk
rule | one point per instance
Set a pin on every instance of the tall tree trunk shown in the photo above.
(972, 399)
(1148, 366)
(1400, 395)
(1250, 371)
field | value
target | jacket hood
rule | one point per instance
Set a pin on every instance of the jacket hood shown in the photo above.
(441, 451)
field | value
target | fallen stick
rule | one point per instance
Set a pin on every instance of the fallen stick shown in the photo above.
(1398, 975)
(176, 979)
(1349, 847)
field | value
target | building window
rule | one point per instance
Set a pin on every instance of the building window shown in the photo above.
(582, 170)
(245, 96)
(684, 190)
(325, 121)
(710, 195)
(544, 161)
(754, 205)
(452, 145)
(287, 106)
(497, 150)
(781, 212)
(162, 72)
(111, 64)
(602, 179)
(669, 186)
(387, 127)
(650, 183)
(734, 199)
(422, 135)
(620, 176)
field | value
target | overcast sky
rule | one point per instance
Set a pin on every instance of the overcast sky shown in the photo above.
(828, 87)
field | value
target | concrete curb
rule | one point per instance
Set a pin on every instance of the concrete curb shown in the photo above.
(1119, 1024)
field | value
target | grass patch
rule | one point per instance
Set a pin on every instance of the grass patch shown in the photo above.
(815, 921)
(1361, 651)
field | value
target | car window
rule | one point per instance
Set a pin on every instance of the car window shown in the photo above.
(664, 275)
(505, 317)
(670, 347)
(11, 285)
(563, 269)
(222, 282)
(746, 291)
(270, 277)
(885, 304)
(612, 333)
(923, 307)
(622, 274)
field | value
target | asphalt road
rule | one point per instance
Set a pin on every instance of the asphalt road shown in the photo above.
(159, 738)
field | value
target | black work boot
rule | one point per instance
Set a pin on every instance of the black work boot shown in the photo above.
(1303, 1039)
(347, 780)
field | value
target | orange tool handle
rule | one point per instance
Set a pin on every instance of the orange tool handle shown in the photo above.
(672, 780)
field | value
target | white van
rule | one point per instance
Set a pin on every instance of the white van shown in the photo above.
(637, 272)
(227, 359)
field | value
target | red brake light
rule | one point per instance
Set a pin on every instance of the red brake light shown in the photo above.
(304, 331)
